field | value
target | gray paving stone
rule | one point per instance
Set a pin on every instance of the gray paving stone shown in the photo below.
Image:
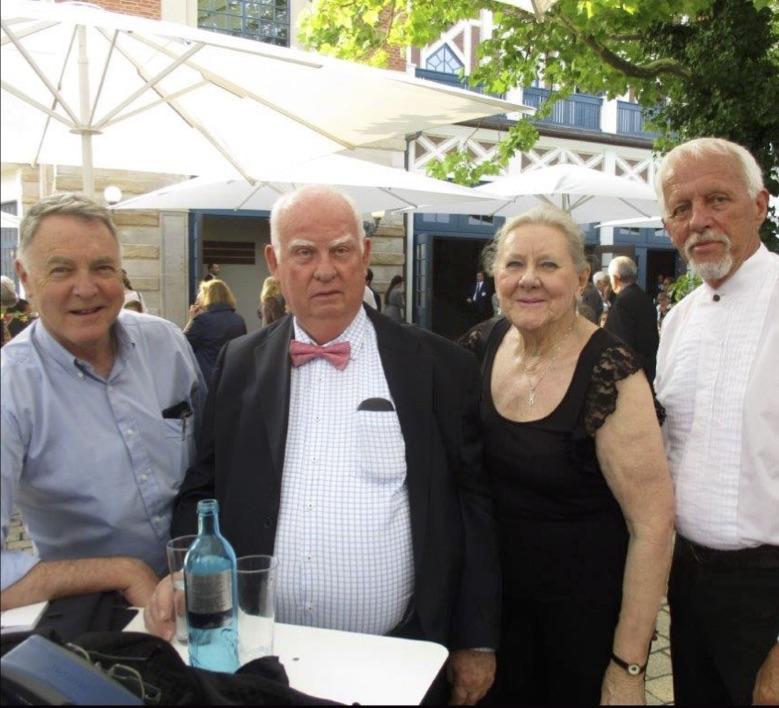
(661, 688)
(664, 623)
(659, 665)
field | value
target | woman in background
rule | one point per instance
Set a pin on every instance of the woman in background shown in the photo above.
(272, 306)
(213, 323)
(395, 299)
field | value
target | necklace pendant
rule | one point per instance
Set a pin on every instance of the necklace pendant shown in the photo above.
(531, 399)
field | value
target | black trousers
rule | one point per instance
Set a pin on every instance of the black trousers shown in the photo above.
(724, 620)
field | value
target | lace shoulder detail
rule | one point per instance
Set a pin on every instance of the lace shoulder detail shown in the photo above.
(475, 339)
(616, 362)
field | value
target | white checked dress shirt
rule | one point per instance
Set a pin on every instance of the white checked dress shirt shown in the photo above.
(344, 530)
(718, 379)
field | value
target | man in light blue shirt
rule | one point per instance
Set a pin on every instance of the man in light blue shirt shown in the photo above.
(99, 405)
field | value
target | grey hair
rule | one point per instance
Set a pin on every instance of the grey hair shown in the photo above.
(8, 297)
(289, 200)
(78, 205)
(546, 215)
(624, 268)
(749, 171)
(600, 276)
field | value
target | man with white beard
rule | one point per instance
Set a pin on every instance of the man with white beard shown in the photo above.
(717, 379)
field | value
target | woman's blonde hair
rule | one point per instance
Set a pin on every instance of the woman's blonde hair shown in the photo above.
(215, 292)
(546, 215)
(270, 289)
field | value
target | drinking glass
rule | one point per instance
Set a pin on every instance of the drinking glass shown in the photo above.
(176, 550)
(256, 606)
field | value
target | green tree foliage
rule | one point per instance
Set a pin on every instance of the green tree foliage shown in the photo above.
(683, 286)
(698, 67)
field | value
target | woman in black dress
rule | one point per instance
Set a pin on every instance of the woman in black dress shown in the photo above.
(582, 492)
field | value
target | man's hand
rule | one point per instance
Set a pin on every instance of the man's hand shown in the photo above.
(158, 615)
(619, 688)
(766, 691)
(471, 674)
(139, 582)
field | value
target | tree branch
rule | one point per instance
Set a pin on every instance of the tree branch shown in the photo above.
(637, 71)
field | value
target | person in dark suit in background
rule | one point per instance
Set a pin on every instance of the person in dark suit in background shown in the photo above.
(349, 446)
(591, 305)
(374, 292)
(480, 298)
(633, 317)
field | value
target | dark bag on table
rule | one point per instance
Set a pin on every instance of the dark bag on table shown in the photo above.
(153, 670)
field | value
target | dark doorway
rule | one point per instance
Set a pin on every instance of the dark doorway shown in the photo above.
(659, 262)
(455, 262)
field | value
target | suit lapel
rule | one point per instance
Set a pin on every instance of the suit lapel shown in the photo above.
(273, 376)
(409, 373)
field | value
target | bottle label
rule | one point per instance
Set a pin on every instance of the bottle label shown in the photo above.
(210, 594)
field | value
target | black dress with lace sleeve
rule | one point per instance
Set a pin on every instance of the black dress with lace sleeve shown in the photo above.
(562, 533)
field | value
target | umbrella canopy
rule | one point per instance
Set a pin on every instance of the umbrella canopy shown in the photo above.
(586, 194)
(373, 187)
(654, 222)
(82, 86)
(9, 221)
(538, 7)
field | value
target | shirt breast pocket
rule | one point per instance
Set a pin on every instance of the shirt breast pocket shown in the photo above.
(382, 449)
(179, 436)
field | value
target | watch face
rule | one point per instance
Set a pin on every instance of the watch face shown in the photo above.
(634, 669)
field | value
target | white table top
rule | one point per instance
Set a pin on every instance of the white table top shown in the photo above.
(349, 667)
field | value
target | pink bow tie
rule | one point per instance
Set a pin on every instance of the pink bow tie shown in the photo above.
(337, 354)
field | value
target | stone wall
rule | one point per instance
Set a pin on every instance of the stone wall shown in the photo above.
(387, 252)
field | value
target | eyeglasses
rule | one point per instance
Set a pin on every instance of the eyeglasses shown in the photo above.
(127, 676)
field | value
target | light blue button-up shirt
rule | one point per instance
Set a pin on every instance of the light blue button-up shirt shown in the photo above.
(91, 463)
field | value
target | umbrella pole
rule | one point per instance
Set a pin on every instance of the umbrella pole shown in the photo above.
(87, 171)
(87, 164)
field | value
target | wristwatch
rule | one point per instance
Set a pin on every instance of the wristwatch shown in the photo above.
(632, 669)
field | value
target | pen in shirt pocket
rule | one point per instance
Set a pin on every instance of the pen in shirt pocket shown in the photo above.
(182, 411)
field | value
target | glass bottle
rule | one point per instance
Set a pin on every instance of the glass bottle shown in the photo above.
(210, 585)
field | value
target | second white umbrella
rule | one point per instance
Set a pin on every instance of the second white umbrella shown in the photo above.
(586, 194)
(373, 187)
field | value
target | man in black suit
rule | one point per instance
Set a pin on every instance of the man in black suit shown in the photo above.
(365, 452)
(480, 298)
(633, 317)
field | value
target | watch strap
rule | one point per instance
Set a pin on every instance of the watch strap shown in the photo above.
(632, 669)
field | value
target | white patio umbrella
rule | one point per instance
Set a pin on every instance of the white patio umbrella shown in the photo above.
(538, 7)
(9, 221)
(586, 194)
(654, 222)
(82, 86)
(373, 187)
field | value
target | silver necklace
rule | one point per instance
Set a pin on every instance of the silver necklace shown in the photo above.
(526, 370)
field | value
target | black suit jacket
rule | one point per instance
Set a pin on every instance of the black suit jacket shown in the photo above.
(481, 304)
(435, 386)
(633, 318)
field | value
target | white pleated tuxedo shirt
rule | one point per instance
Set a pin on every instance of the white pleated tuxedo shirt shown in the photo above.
(344, 530)
(718, 379)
